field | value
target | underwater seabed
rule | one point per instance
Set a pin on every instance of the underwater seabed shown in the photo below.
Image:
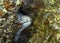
(38, 21)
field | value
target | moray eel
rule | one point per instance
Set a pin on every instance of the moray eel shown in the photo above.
(26, 22)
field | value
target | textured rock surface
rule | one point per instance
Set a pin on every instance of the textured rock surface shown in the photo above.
(8, 18)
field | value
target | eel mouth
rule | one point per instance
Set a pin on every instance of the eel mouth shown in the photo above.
(24, 20)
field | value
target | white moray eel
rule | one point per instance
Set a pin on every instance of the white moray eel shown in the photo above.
(26, 22)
